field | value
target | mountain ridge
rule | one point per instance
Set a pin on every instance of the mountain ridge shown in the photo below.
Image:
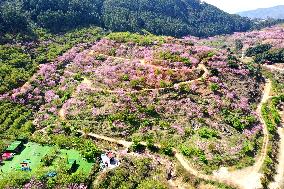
(276, 12)
(161, 17)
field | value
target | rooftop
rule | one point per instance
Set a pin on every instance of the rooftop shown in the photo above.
(14, 146)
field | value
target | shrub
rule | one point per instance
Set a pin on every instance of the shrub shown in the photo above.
(125, 77)
(207, 133)
(210, 54)
(189, 151)
(248, 147)
(78, 77)
(214, 72)
(238, 120)
(174, 58)
(271, 117)
(259, 49)
(164, 84)
(214, 87)
(135, 84)
(232, 62)
(137, 146)
(167, 148)
(48, 158)
(273, 56)
(239, 45)
(89, 150)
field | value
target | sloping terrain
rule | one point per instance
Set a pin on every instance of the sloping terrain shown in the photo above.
(155, 98)
(200, 111)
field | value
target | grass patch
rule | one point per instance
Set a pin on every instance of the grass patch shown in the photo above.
(34, 153)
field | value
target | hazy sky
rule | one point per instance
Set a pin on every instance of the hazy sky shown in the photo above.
(233, 6)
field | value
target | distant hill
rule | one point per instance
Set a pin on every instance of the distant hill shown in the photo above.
(276, 12)
(161, 17)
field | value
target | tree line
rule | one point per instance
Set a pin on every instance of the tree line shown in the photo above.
(162, 17)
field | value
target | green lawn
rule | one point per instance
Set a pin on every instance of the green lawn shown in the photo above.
(34, 152)
(83, 164)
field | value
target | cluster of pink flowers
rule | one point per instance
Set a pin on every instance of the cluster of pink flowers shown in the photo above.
(77, 186)
(40, 86)
(251, 132)
(273, 35)
(179, 129)
(34, 184)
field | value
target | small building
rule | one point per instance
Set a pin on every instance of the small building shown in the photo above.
(7, 156)
(15, 147)
(108, 161)
(24, 166)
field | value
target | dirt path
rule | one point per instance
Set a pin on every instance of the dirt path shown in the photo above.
(142, 61)
(61, 114)
(247, 178)
(179, 157)
(123, 143)
(189, 169)
(274, 68)
(266, 96)
(250, 177)
(279, 177)
(200, 66)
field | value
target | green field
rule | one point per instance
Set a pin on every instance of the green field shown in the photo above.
(84, 166)
(34, 152)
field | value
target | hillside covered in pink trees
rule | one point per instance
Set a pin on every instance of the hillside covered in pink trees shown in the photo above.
(176, 112)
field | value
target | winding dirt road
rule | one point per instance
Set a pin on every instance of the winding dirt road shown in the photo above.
(250, 177)
(200, 66)
(278, 182)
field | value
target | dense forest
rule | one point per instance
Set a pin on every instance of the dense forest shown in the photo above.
(163, 17)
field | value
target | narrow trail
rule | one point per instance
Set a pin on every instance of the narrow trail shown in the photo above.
(179, 157)
(247, 178)
(189, 169)
(274, 68)
(266, 96)
(200, 66)
(278, 182)
(142, 61)
(250, 177)
(61, 114)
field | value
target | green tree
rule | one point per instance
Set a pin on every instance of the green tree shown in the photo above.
(89, 150)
